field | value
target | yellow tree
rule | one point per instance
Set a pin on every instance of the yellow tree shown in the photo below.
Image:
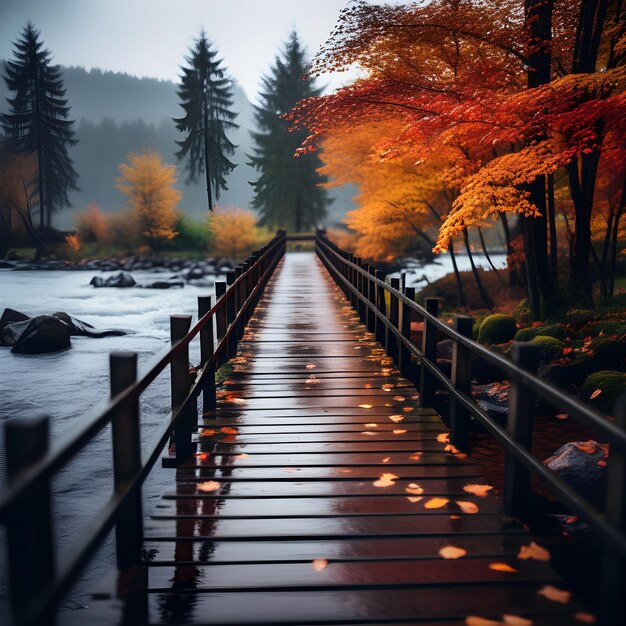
(235, 233)
(148, 185)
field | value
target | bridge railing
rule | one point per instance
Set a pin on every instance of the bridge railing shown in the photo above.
(38, 577)
(390, 317)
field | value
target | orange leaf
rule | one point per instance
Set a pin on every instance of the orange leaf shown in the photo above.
(207, 432)
(399, 398)
(554, 594)
(209, 485)
(243, 455)
(387, 459)
(202, 456)
(368, 432)
(365, 406)
(595, 394)
(436, 503)
(474, 620)
(407, 409)
(533, 551)
(585, 618)
(399, 432)
(368, 386)
(385, 480)
(502, 567)
(477, 490)
(414, 499)
(416, 456)
(516, 620)
(227, 430)
(467, 507)
(396, 418)
(311, 366)
(452, 552)
(414, 488)
(443, 437)
(319, 564)
(371, 425)
(562, 416)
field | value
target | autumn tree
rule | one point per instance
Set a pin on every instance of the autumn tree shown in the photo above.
(205, 94)
(37, 122)
(288, 192)
(235, 233)
(148, 185)
(512, 93)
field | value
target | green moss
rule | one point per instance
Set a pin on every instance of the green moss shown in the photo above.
(475, 329)
(611, 385)
(607, 328)
(579, 316)
(223, 373)
(525, 334)
(547, 343)
(497, 328)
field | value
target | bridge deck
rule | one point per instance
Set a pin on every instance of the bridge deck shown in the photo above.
(282, 517)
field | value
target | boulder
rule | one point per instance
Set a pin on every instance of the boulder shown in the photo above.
(39, 335)
(582, 465)
(164, 284)
(10, 316)
(195, 273)
(4, 265)
(123, 279)
(79, 328)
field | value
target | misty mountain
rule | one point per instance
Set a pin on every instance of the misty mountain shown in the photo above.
(117, 114)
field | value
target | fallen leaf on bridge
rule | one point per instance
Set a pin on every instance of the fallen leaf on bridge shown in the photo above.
(396, 418)
(385, 480)
(209, 485)
(387, 459)
(311, 366)
(533, 551)
(452, 552)
(202, 456)
(467, 507)
(227, 430)
(516, 620)
(502, 567)
(474, 620)
(478, 490)
(555, 594)
(414, 488)
(368, 432)
(371, 425)
(416, 456)
(407, 409)
(399, 398)
(585, 618)
(436, 503)
(414, 499)
(319, 564)
(443, 437)
(207, 432)
(365, 406)
(399, 432)
(243, 455)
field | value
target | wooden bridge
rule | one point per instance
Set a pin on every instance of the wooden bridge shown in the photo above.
(318, 487)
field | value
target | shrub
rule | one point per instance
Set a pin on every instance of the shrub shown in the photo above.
(611, 385)
(497, 328)
(91, 224)
(192, 236)
(607, 328)
(547, 343)
(123, 230)
(579, 316)
(525, 334)
(236, 234)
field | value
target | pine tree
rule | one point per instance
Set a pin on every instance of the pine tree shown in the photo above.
(288, 193)
(205, 94)
(37, 121)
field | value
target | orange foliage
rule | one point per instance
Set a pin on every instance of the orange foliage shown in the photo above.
(91, 224)
(235, 233)
(148, 184)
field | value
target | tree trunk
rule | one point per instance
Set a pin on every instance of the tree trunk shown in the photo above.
(207, 170)
(484, 296)
(554, 248)
(457, 275)
(488, 257)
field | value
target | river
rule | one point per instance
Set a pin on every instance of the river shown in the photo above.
(67, 385)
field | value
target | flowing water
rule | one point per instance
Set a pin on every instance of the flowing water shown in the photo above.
(69, 385)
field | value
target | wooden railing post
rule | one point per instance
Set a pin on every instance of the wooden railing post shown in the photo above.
(370, 292)
(207, 348)
(29, 520)
(125, 432)
(381, 305)
(429, 350)
(391, 343)
(352, 279)
(461, 378)
(179, 373)
(360, 285)
(520, 427)
(231, 312)
(613, 574)
(405, 364)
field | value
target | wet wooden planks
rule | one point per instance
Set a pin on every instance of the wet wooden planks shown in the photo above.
(280, 517)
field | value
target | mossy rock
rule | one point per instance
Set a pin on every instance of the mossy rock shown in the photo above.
(607, 352)
(525, 334)
(579, 317)
(475, 329)
(611, 385)
(547, 342)
(497, 328)
(564, 375)
(607, 328)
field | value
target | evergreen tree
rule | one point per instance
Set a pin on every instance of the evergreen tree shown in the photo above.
(288, 193)
(205, 94)
(37, 121)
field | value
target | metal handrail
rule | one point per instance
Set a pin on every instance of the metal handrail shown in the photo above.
(366, 293)
(37, 472)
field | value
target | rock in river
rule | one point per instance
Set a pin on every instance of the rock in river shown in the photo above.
(44, 333)
(123, 279)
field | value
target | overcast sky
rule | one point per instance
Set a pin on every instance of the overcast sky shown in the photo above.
(150, 37)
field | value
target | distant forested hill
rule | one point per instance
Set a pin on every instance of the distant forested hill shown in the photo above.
(117, 114)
